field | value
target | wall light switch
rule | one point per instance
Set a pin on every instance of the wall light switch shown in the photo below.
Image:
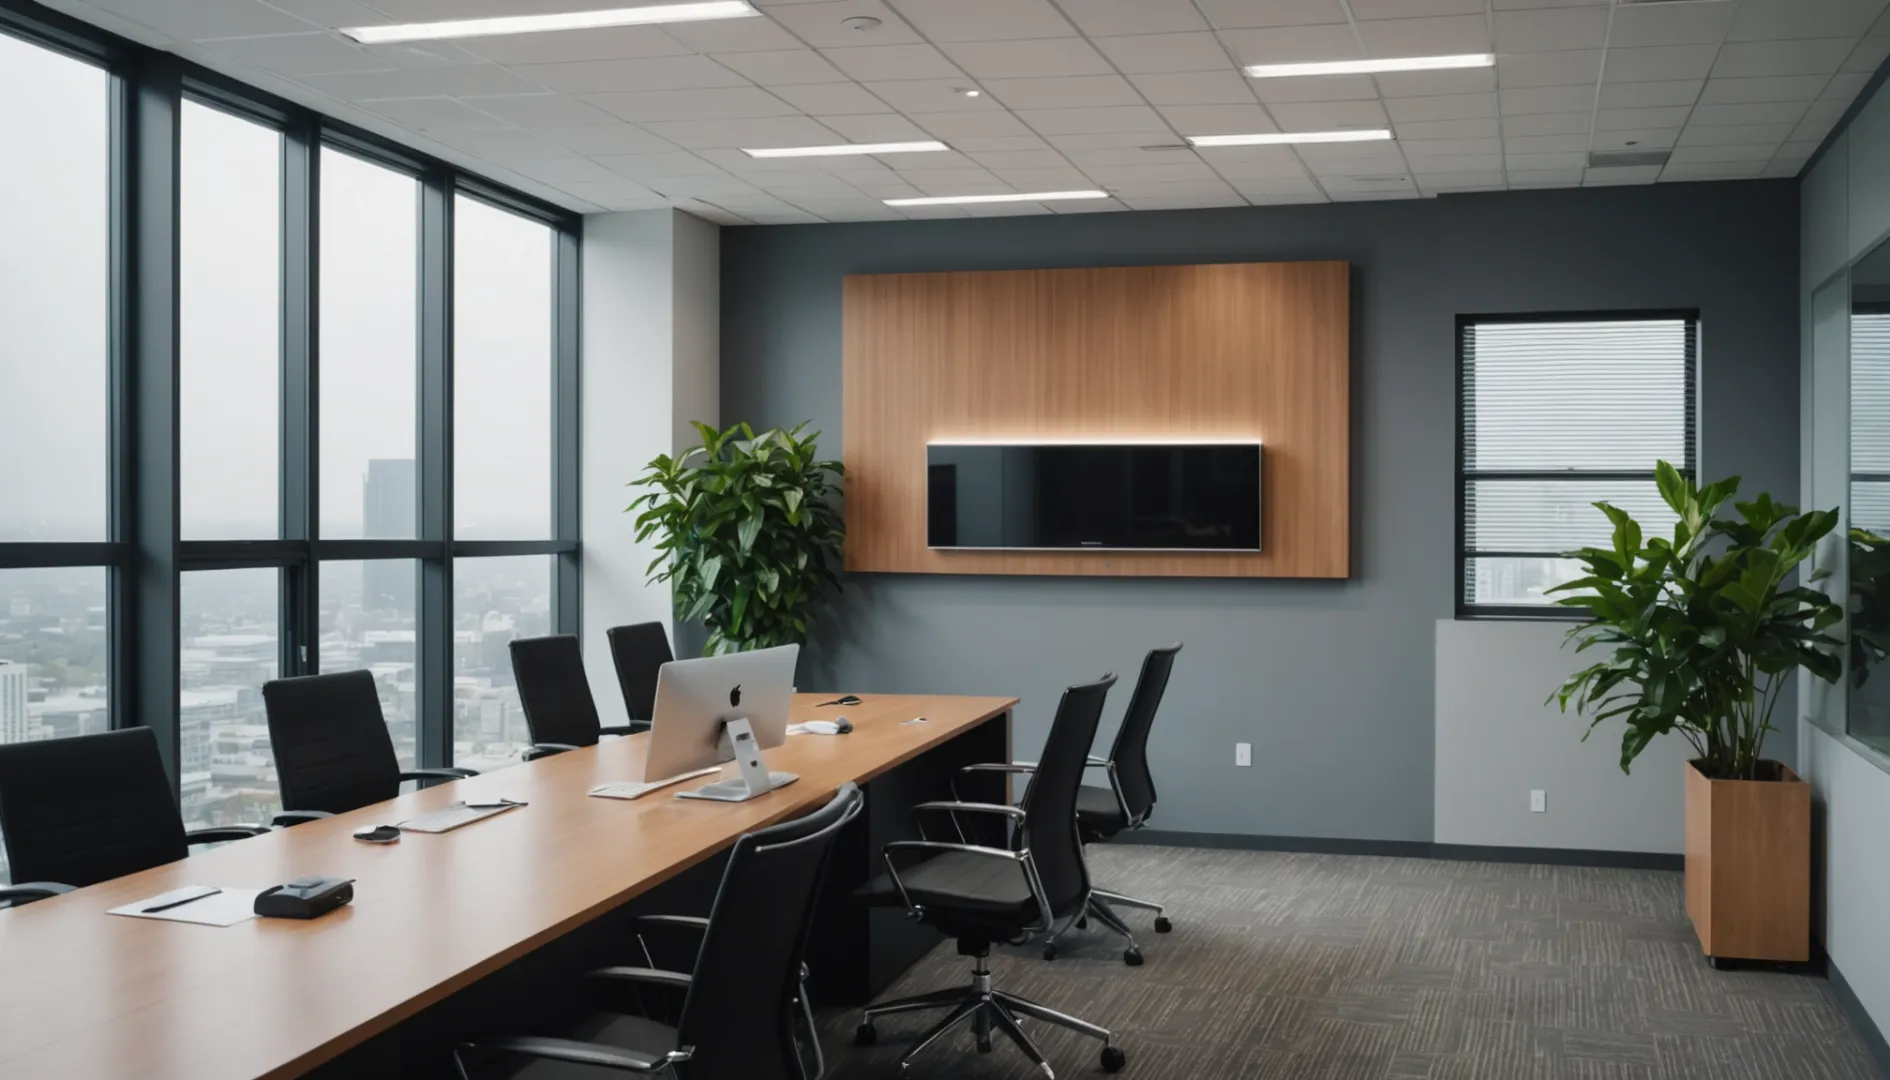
(1538, 801)
(1243, 754)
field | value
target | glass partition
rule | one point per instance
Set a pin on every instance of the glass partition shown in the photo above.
(1869, 500)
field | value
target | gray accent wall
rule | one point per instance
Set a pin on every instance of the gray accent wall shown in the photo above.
(1333, 682)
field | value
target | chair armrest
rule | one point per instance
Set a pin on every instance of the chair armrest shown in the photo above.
(580, 1053)
(691, 922)
(438, 774)
(653, 976)
(545, 749)
(623, 729)
(223, 834)
(1010, 813)
(28, 891)
(288, 818)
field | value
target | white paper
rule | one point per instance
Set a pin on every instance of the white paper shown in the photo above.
(634, 789)
(227, 908)
(449, 818)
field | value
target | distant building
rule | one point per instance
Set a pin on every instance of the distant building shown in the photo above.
(16, 724)
(389, 498)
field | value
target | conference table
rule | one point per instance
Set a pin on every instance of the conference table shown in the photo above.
(85, 995)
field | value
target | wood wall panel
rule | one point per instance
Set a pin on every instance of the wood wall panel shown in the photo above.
(1235, 351)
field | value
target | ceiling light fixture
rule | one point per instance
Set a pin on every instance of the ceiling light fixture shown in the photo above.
(538, 24)
(1371, 67)
(1277, 138)
(1037, 196)
(845, 149)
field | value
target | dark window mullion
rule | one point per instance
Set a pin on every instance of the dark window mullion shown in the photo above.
(433, 658)
(566, 372)
(300, 483)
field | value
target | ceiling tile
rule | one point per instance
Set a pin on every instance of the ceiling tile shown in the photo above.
(452, 80)
(202, 20)
(1719, 170)
(594, 139)
(784, 68)
(1661, 63)
(985, 144)
(1772, 20)
(1411, 9)
(821, 25)
(648, 73)
(985, 20)
(1819, 119)
(303, 54)
(433, 114)
(956, 181)
(1237, 14)
(875, 128)
(1148, 53)
(1550, 29)
(1045, 158)
(1843, 86)
(893, 62)
(1058, 179)
(1640, 139)
(1438, 36)
(1769, 88)
(1127, 155)
(673, 163)
(1627, 174)
(608, 43)
(1671, 24)
(931, 95)
(1194, 88)
(1066, 93)
(1105, 18)
(1574, 67)
(1638, 95)
(1315, 88)
(1432, 83)
(1673, 116)
(731, 35)
(733, 102)
(1547, 99)
(1543, 144)
(1755, 58)
(982, 125)
(1085, 121)
(830, 99)
(1688, 155)
(1028, 59)
(1294, 44)
(1744, 135)
(536, 111)
(1448, 107)
(1447, 129)
(1544, 178)
(1221, 119)
(1331, 116)
(1115, 175)
(1431, 166)
(1777, 112)
(1280, 164)
(757, 132)
(1548, 124)
(1573, 159)
(1868, 56)
(1415, 149)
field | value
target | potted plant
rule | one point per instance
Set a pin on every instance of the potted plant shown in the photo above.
(1703, 631)
(747, 532)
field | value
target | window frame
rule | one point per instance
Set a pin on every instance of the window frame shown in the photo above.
(1463, 552)
(143, 555)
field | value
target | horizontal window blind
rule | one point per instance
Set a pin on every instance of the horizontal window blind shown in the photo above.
(1870, 421)
(1558, 413)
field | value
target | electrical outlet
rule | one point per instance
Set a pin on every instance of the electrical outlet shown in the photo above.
(1538, 801)
(1243, 754)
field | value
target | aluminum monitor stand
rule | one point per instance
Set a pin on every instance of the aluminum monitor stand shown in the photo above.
(738, 739)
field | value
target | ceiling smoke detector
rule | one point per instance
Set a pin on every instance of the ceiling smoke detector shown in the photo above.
(860, 24)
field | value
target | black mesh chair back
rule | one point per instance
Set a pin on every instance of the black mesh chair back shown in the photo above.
(88, 809)
(737, 1015)
(639, 652)
(331, 744)
(1130, 754)
(1050, 802)
(553, 691)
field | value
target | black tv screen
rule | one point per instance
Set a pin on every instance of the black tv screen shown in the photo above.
(1147, 496)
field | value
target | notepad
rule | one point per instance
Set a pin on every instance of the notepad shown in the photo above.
(632, 789)
(225, 908)
(451, 817)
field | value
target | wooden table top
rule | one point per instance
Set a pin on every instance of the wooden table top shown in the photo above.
(86, 995)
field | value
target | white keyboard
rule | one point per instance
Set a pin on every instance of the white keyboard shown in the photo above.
(631, 789)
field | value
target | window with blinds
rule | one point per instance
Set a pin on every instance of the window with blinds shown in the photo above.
(1555, 414)
(1870, 417)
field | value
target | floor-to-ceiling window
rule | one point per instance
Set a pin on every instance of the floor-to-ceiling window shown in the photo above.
(276, 398)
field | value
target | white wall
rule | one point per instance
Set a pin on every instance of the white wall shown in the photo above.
(1498, 738)
(652, 357)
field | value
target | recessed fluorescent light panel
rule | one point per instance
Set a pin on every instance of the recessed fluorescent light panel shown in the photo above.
(1278, 138)
(1371, 67)
(1037, 196)
(538, 24)
(845, 149)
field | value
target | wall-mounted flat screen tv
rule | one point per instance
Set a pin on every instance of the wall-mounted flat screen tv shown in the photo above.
(1094, 496)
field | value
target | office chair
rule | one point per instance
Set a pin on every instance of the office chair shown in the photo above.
(737, 1020)
(982, 895)
(75, 812)
(331, 744)
(556, 696)
(1103, 813)
(639, 652)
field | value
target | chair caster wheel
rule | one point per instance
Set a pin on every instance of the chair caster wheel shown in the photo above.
(865, 1035)
(1132, 956)
(1049, 952)
(984, 1046)
(1162, 925)
(1113, 1059)
(1082, 924)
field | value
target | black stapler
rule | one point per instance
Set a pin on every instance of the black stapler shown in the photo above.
(304, 898)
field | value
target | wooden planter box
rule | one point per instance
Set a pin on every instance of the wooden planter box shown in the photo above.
(1749, 865)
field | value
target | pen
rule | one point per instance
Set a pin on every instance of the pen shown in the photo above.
(169, 904)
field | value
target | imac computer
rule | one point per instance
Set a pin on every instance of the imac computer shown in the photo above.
(722, 708)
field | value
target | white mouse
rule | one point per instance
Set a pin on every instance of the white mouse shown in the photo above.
(828, 727)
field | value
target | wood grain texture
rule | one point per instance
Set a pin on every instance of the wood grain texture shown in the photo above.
(1748, 860)
(90, 995)
(1161, 353)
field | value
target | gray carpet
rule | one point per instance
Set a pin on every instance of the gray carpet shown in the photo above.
(1323, 967)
